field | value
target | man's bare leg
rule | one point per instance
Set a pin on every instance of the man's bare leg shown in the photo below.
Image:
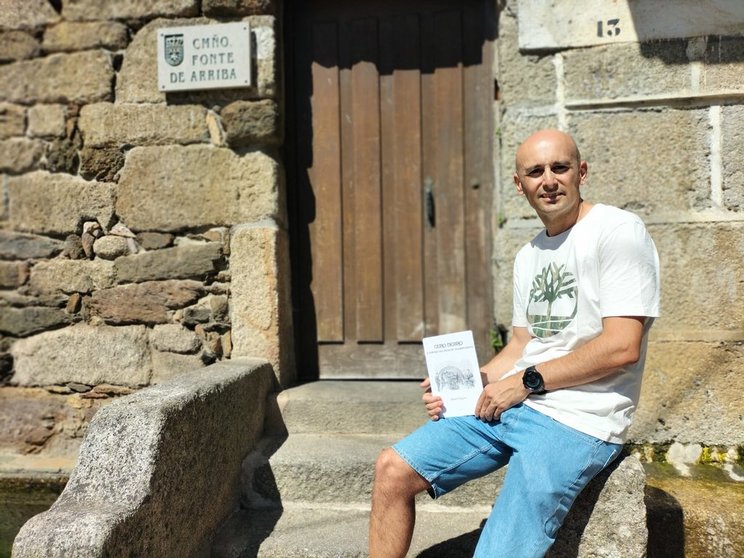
(393, 506)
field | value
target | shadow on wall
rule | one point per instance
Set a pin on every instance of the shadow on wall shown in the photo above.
(714, 50)
(665, 30)
(666, 533)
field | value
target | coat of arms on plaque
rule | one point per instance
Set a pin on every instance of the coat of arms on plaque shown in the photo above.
(174, 49)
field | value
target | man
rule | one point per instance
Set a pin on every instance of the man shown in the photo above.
(558, 399)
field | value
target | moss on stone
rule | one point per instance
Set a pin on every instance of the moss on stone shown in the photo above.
(701, 512)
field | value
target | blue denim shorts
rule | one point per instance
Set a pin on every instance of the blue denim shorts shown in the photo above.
(549, 464)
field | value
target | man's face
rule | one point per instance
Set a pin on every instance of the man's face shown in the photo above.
(549, 175)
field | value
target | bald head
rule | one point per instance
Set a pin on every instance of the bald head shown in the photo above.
(545, 140)
(549, 174)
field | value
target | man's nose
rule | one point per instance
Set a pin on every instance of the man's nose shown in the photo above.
(549, 179)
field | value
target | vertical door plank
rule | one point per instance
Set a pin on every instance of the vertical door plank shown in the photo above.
(429, 158)
(347, 186)
(400, 90)
(365, 107)
(478, 88)
(386, 65)
(408, 184)
(325, 177)
(448, 191)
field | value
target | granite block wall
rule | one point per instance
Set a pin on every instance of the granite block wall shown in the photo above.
(660, 126)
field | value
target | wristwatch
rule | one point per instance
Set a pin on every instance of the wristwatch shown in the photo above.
(533, 380)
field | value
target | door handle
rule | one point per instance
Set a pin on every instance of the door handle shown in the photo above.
(429, 201)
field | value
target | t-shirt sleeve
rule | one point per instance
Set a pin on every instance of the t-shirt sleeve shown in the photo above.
(629, 272)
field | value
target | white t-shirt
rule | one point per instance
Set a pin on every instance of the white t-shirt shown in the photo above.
(605, 265)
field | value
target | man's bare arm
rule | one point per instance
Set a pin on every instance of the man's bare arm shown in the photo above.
(618, 345)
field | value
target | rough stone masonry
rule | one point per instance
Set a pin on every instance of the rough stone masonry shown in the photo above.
(125, 212)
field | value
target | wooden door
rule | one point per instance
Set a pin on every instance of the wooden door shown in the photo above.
(391, 136)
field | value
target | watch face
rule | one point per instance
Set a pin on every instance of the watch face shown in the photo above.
(532, 379)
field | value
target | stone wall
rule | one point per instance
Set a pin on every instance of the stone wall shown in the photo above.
(143, 234)
(660, 125)
(121, 210)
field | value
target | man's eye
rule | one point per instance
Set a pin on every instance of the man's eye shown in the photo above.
(534, 173)
(560, 169)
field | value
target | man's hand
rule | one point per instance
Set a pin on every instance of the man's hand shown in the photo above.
(499, 396)
(433, 403)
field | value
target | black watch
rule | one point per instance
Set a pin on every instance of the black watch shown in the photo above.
(533, 380)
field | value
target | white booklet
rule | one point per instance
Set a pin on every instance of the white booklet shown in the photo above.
(454, 372)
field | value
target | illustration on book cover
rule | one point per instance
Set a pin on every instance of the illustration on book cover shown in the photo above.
(452, 378)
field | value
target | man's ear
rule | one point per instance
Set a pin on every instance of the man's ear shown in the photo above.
(583, 172)
(518, 184)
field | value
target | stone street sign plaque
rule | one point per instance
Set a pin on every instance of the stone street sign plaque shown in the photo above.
(204, 57)
(578, 23)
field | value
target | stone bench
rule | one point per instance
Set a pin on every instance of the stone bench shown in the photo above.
(158, 470)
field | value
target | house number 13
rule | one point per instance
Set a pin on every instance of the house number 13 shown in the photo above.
(608, 28)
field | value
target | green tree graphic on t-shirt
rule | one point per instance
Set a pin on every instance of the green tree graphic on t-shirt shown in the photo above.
(548, 286)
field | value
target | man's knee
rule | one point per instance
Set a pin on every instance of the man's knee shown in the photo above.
(392, 471)
(390, 466)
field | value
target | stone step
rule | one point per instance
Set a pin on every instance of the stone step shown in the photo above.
(607, 521)
(336, 531)
(371, 407)
(319, 477)
(326, 468)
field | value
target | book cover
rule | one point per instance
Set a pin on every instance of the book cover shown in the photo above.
(454, 372)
